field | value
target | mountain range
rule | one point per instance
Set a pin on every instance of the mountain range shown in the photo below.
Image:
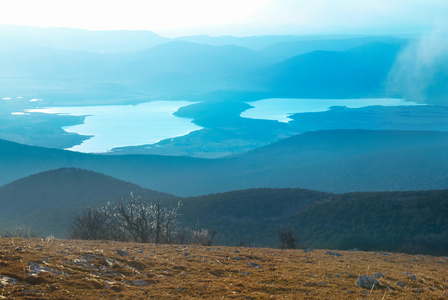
(333, 161)
(72, 66)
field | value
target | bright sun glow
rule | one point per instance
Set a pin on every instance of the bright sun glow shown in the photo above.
(159, 16)
(234, 17)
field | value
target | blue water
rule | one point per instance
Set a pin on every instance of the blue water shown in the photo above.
(113, 126)
(280, 108)
(125, 125)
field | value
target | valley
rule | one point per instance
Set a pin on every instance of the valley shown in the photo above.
(247, 150)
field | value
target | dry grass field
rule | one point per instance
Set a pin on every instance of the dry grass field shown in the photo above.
(73, 269)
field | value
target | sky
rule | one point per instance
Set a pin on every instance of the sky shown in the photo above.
(231, 17)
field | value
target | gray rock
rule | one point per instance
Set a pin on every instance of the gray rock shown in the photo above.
(378, 275)
(253, 265)
(411, 276)
(334, 253)
(368, 282)
(308, 250)
(36, 269)
(402, 284)
(140, 283)
(6, 280)
(121, 252)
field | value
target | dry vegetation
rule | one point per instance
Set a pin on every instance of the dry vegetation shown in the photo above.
(73, 269)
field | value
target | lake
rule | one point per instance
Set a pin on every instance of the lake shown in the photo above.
(278, 109)
(113, 126)
(125, 125)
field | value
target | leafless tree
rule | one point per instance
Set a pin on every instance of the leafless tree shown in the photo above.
(203, 237)
(89, 224)
(286, 238)
(132, 217)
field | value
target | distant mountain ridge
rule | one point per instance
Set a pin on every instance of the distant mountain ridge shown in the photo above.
(98, 67)
(333, 161)
(106, 41)
(360, 72)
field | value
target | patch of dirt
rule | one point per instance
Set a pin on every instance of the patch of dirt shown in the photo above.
(73, 269)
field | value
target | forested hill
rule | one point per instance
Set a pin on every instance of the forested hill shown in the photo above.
(47, 201)
(413, 221)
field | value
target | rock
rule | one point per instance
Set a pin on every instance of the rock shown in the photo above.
(411, 276)
(36, 269)
(368, 282)
(121, 252)
(253, 265)
(140, 283)
(308, 250)
(33, 292)
(6, 280)
(402, 284)
(384, 253)
(378, 275)
(334, 253)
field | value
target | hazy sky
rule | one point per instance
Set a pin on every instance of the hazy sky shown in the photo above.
(235, 17)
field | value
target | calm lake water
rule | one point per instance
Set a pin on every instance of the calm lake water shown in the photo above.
(279, 109)
(125, 125)
(114, 126)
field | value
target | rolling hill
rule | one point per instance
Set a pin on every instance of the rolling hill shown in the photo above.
(333, 161)
(47, 200)
(412, 221)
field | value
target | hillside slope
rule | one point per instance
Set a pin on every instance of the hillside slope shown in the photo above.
(333, 161)
(46, 201)
(71, 269)
(412, 221)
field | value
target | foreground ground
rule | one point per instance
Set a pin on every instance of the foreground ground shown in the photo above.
(72, 269)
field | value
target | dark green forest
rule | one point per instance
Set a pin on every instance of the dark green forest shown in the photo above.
(412, 221)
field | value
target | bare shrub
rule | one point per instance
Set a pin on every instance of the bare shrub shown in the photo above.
(203, 237)
(19, 231)
(286, 238)
(89, 224)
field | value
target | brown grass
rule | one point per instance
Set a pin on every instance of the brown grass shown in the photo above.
(93, 270)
